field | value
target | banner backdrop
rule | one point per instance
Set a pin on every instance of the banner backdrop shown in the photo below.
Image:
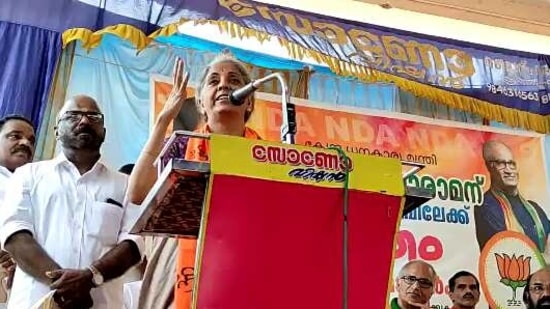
(471, 224)
(501, 78)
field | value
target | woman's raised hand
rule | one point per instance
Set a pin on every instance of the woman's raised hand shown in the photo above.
(177, 96)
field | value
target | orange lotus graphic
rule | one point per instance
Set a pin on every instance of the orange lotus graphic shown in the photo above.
(513, 271)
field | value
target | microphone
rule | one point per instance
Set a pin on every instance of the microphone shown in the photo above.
(288, 127)
(238, 96)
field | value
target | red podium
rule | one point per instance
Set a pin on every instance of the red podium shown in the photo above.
(282, 226)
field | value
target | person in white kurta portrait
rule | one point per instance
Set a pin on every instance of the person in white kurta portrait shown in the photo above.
(17, 139)
(64, 220)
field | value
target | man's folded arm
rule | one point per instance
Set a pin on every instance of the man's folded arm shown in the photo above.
(30, 256)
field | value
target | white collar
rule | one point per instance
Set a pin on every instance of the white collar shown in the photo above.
(62, 159)
(5, 172)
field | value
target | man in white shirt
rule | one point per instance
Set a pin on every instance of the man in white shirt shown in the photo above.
(64, 221)
(16, 149)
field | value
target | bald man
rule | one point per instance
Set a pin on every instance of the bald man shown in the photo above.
(414, 285)
(536, 294)
(64, 220)
(504, 208)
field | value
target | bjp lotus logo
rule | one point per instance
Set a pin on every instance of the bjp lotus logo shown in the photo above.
(513, 271)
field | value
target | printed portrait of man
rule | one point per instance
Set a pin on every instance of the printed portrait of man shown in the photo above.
(504, 207)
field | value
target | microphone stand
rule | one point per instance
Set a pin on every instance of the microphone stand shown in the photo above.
(288, 126)
(288, 132)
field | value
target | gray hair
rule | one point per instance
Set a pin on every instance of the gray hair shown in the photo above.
(405, 267)
(223, 57)
(489, 147)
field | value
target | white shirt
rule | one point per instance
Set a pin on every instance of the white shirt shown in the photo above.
(68, 215)
(5, 175)
(131, 294)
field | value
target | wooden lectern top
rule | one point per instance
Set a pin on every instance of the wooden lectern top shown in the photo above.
(173, 207)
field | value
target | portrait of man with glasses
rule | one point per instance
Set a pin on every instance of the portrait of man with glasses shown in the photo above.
(504, 207)
(414, 285)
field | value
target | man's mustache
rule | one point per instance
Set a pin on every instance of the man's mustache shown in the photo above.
(543, 302)
(469, 294)
(85, 129)
(22, 148)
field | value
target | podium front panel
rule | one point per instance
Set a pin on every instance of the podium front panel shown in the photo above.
(271, 244)
(373, 223)
(272, 234)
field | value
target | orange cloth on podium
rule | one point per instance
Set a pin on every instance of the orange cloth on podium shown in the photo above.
(197, 150)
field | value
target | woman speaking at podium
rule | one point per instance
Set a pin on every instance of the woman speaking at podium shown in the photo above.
(168, 257)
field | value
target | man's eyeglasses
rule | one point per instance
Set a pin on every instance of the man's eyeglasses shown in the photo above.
(423, 283)
(501, 164)
(76, 116)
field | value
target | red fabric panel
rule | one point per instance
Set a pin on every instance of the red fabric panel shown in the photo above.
(279, 245)
(372, 226)
(271, 245)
